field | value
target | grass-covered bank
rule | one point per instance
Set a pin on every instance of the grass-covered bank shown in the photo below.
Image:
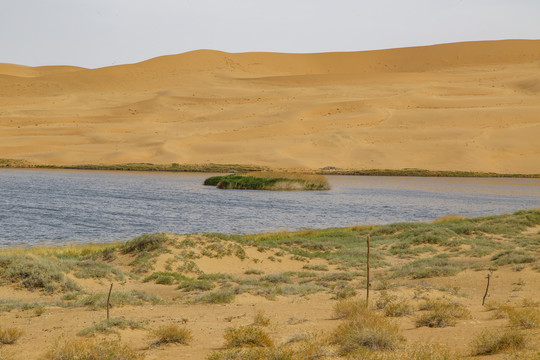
(263, 295)
(174, 167)
(269, 181)
(423, 250)
(241, 168)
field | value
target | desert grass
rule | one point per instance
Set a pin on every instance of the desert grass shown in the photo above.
(398, 308)
(90, 349)
(146, 242)
(172, 334)
(524, 318)
(247, 336)
(118, 298)
(260, 319)
(220, 296)
(495, 341)
(10, 335)
(441, 313)
(363, 328)
(348, 308)
(35, 272)
(111, 326)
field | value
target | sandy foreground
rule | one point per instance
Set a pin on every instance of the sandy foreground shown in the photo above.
(294, 310)
(465, 106)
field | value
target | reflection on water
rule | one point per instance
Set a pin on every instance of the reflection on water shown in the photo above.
(45, 206)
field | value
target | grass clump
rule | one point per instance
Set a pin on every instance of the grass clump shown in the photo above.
(427, 268)
(118, 298)
(97, 270)
(220, 296)
(35, 272)
(495, 341)
(196, 284)
(260, 319)
(172, 334)
(348, 308)
(441, 313)
(269, 181)
(86, 349)
(525, 318)
(146, 242)
(247, 336)
(110, 326)
(398, 309)
(366, 329)
(9, 335)
(165, 277)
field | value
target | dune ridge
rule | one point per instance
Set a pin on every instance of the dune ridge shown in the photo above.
(471, 106)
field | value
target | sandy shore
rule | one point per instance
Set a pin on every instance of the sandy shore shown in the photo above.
(296, 294)
(465, 106)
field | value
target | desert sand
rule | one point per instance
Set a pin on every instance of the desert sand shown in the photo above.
(303, 306)
(471, 106)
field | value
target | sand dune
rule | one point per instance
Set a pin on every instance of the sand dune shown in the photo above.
(465, 106)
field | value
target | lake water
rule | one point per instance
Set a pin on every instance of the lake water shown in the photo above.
(42, 207)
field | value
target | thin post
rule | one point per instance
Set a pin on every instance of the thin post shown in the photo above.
(367, 273)
(487, 288)
(108, 299)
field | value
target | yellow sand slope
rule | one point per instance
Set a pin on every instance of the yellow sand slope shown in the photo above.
(465, 106)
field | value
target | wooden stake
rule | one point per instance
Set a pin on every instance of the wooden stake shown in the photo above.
(108, 299)
(367, 273)
(487, 287)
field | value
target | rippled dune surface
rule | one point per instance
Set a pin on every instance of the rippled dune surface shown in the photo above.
(465, 106)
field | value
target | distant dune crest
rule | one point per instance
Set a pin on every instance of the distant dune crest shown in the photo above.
(465, 106)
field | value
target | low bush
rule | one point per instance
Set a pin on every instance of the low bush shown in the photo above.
(110, 326)
(441, 313)
(495, 341)
(219, 296)
(86, 349)
(172, 333)
(398, 309)
(35, 272)
(247, 336)
(118, 298)
(366, 329)
(348, 308)
(525, 318)
(9, 335)
(146, 242)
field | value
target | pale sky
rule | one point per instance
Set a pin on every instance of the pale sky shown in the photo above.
(96, 33)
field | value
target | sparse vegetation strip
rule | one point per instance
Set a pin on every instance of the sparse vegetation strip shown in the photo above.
(269, 181)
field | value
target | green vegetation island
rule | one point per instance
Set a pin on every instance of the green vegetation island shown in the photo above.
(269, 181)
(240, 168)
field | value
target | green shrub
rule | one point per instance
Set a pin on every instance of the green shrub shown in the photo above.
(146, 242)
(165, 278)
(193, 284)
(33, 272)
(97, 270)
(219, 296)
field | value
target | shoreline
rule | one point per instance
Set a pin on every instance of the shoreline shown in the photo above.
(285, 286)
(238, 168)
